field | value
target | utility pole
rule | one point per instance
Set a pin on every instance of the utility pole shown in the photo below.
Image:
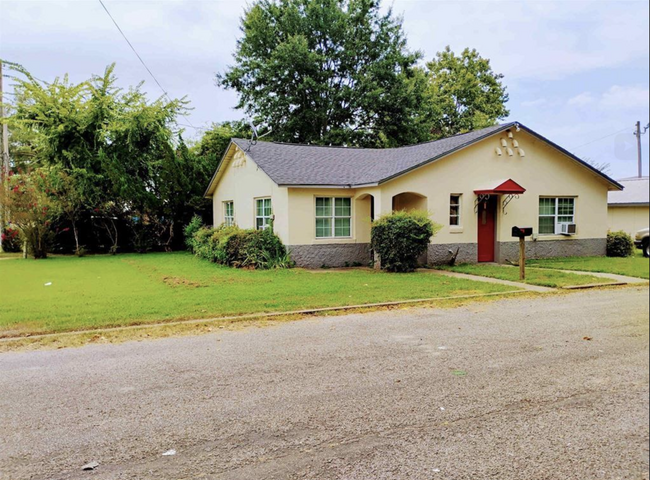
(638, 134)
(4, 172)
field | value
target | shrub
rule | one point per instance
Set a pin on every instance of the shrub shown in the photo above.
(190, 229)
(232, 246)
(209, 243)
(619, 244)
(255, 249)
(11, 241)
(400, 238)
(31, 209)
(282, 261)
(261, 249)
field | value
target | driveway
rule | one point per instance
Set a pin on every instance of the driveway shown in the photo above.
(530, 389)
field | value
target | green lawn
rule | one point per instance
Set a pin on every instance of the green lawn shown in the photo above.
(636, 266)
(104, 291)
(541, 277)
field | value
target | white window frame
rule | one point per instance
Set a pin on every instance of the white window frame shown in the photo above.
(333, 217)
(267, 220)
(229, 220)
(460, 209)
(556, 215)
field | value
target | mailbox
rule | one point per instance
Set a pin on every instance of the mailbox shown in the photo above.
(522, 232)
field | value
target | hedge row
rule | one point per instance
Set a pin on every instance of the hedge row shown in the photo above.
(235, 247)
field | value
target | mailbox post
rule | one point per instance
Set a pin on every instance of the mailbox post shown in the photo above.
(521, 233)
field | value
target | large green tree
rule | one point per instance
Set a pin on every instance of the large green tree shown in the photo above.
(215, 140)
(328, 72)
(463, 93)
(116, 161)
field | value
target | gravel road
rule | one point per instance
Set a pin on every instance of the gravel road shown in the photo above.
(528, 389)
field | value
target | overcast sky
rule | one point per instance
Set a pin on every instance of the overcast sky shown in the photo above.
(576, 71)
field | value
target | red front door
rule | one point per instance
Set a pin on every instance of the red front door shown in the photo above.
(487, 229)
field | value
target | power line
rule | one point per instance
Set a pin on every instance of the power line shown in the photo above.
(142, 61)
(601, 138)
(192, 126)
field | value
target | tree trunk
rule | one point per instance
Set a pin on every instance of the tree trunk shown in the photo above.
(77, 250)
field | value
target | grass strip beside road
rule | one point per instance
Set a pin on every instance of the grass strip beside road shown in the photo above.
(64, 294)
(636, 266)
(541, 277)
(149, 331)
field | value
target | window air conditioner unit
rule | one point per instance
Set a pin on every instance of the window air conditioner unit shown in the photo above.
(568, 228)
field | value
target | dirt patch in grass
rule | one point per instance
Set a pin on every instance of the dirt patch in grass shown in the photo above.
(181, 282)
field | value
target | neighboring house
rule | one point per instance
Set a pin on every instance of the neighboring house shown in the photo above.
(478, 185)
(629, 210)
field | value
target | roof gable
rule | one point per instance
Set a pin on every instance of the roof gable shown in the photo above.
(234, 156)
(507, 187)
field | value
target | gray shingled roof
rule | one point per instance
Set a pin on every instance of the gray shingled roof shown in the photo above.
(637, 192)
(291, 164)
(296, 164)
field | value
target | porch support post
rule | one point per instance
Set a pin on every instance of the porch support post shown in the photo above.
(378, 212)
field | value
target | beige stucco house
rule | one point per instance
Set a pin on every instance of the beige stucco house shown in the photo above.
(629, 210)
(321, 200)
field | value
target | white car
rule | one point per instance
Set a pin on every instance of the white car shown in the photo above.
(641, 241)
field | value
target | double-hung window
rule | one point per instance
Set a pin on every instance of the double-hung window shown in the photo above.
(454, 210)
(333, 217)
(263, 213)
(555, 211)
(229, 213)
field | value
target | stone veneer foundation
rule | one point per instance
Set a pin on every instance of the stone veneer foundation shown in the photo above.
(441, 253)
(348, 254)
(330, 255)
(588, 247)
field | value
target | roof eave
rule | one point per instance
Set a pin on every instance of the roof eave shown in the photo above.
(629, 204)
(606, 177)
(208, 193)
(319, 185)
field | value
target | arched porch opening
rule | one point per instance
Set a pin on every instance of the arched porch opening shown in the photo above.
(409, 201)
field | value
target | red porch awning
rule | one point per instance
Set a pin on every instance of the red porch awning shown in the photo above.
(509, 187)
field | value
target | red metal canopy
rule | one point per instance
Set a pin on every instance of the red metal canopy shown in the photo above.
(509, 187)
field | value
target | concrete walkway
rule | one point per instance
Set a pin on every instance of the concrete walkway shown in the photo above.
(615, 278)
(523, 286)
(612, 276)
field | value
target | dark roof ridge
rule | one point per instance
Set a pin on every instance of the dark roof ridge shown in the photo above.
(297, 144)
